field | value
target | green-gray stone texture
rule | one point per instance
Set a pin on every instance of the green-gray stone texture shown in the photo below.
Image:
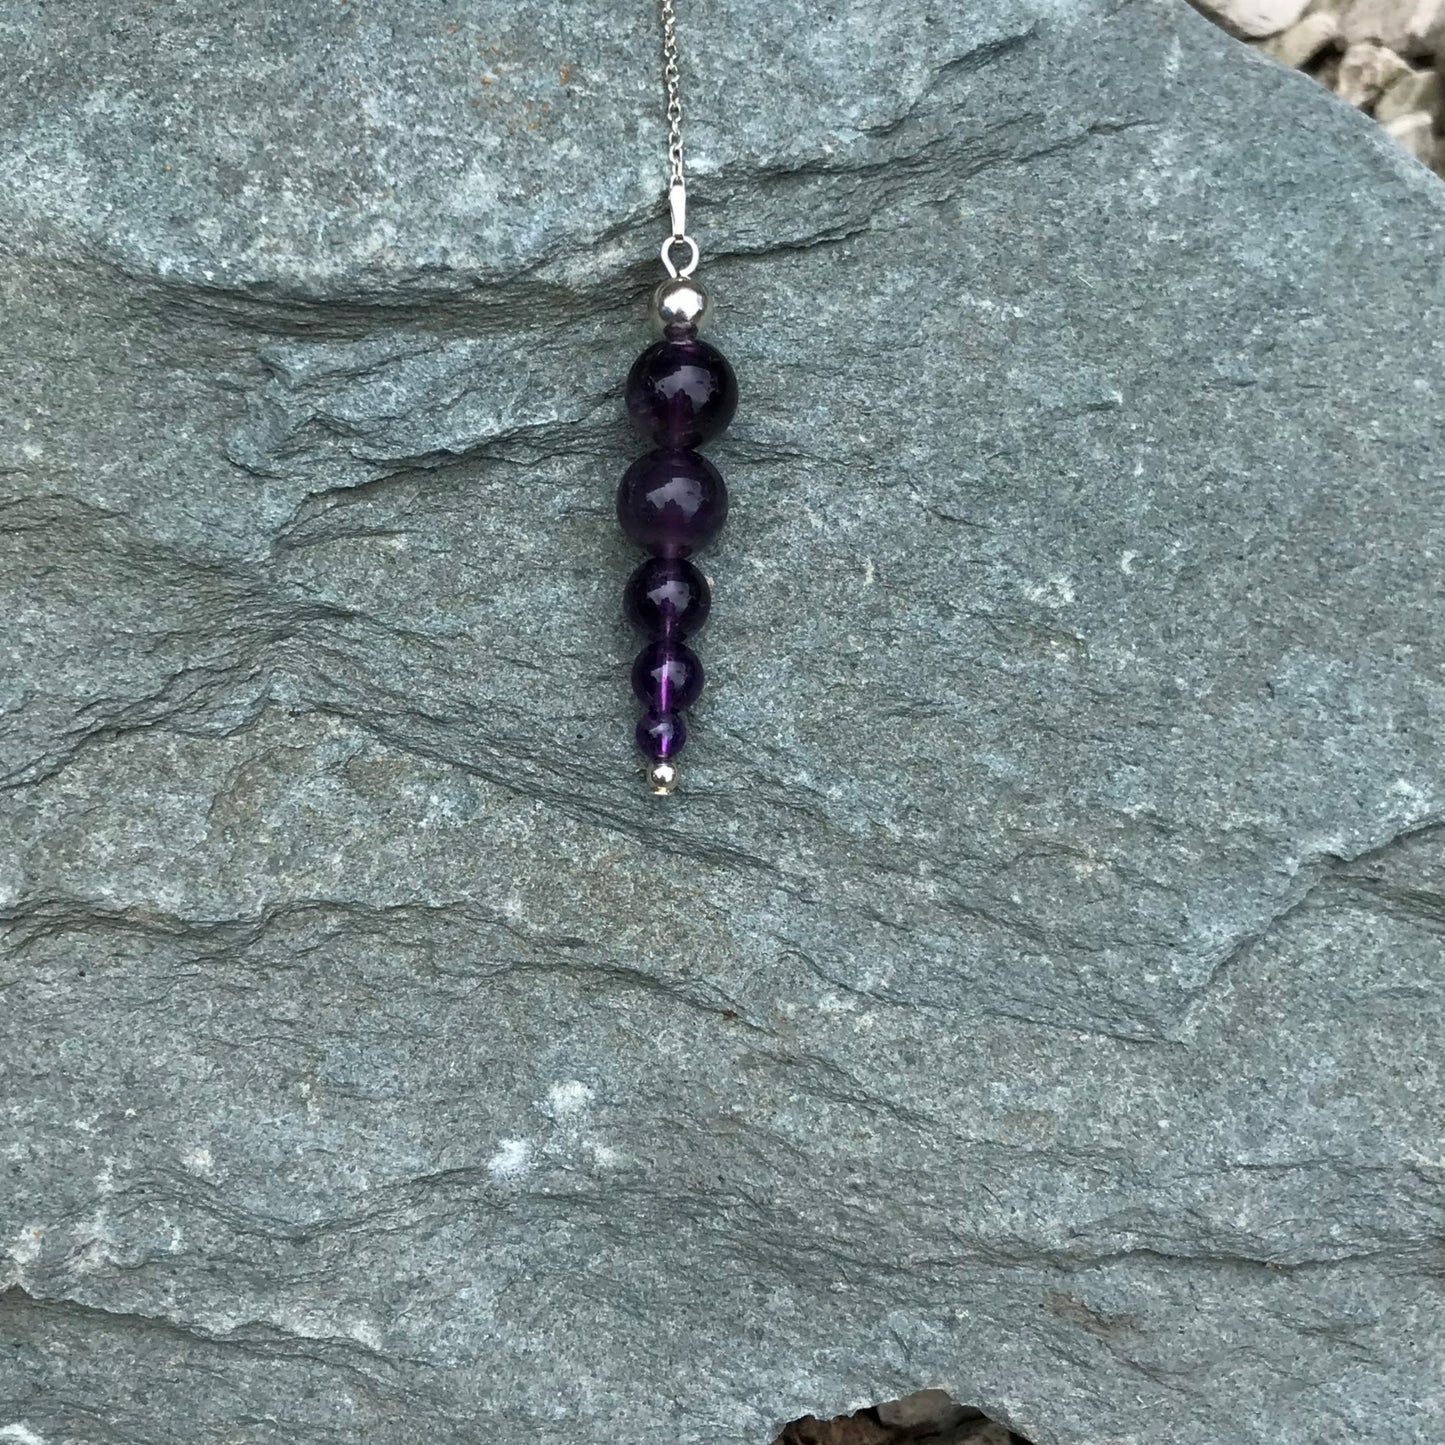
(1034, 990)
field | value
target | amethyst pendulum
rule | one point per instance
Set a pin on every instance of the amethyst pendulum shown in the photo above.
(672, 502)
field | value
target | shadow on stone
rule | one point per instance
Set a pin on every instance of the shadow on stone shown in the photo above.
(927, 1415)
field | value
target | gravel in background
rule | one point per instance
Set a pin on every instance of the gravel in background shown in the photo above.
(1383, 56)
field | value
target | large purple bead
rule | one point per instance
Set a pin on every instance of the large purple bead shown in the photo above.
(667, 676)
(681, 391)
(672, 503)
(667, 597)
(661, 735)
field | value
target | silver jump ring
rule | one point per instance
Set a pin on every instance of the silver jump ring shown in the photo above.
(672, 266)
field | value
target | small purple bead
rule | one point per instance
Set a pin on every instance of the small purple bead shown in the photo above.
(667, 597)
(681, 392)
(667, 676)
(673, 503)
(661, 735)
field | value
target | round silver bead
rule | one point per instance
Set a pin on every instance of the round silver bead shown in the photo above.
(679, 301)
(662, 777)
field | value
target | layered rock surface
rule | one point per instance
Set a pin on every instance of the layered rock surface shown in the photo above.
(1029, 994)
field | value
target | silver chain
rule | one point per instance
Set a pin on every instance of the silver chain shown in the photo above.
(676, 183)
(674, 91)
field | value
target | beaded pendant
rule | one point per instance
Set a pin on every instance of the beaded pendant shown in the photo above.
(673, 502)
(681, 392)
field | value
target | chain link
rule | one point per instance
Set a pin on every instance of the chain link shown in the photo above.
(676, 184)
(671, 79)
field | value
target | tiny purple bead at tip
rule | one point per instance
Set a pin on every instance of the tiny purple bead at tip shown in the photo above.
(661, 735)
(667, 676)
(681, 391)
(672, 503)
(667, 597)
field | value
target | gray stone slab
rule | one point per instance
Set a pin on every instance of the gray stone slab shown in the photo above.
(1034, 991)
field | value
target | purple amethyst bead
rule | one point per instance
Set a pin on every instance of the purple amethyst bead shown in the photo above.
(681, 392)
(667, 676)
(673, 503)
(661, 735)
(667, 597)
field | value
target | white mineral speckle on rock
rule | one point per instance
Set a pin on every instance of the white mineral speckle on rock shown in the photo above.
(366, 1333)
(25, 1246)
(512, 1159)
(1056, 592)
(568, 1098)
(20, 1434)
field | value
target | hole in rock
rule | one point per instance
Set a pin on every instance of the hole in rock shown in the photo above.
(930, 1416)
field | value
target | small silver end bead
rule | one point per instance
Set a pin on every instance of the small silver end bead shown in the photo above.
(680, 301)
(662, 777)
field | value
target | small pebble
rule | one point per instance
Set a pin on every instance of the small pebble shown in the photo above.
(1416, 132)
(1299, 45)
(1253, 19)
(1403, 26)
(1420, 90)
(933, 1410)
(1366, 71)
